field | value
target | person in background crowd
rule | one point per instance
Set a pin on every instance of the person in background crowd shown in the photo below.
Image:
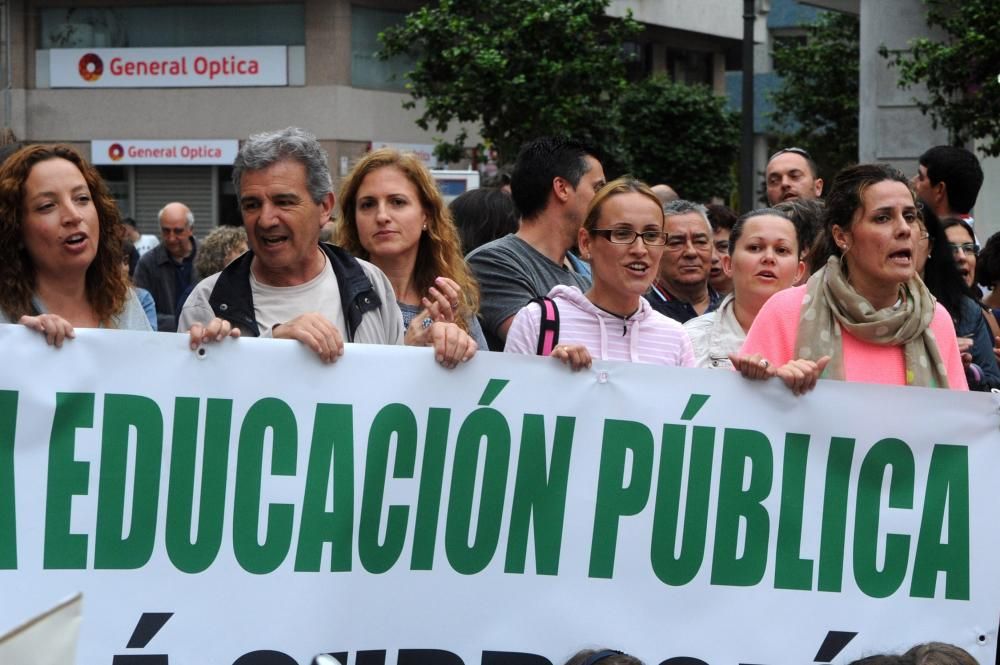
(949, 178)
(395, 217)
(132, 254)
(763, 259)
(288, 285)
(940, 653)
(936, 266)
(807, 214)
(500, 181)
(167, 271)
(554, 181)
(681, 290)
(722, 219)
(885, 659)
(60, 247)
(221, 247)
(483, 215)
(988, 273)
(964, 250)
(602, 657)
(665, 193)
(623, 238)
(865, 313)
(792, 174)
(143, 242)
(145, 299)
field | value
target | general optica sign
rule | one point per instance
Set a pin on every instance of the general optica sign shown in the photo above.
(217, 66)
(177, 152)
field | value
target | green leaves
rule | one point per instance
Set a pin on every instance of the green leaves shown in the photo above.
(816, 106)
(960, 73)
(520, 68)
(681, 135)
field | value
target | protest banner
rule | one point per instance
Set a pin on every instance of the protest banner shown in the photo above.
(251, 505)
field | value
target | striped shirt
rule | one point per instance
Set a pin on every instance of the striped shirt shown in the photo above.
(645, 337)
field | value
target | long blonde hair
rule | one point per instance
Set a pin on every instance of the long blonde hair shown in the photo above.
(439, 253)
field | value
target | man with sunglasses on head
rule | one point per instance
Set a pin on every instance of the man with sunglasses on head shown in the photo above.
(167, 271)
(792, 174)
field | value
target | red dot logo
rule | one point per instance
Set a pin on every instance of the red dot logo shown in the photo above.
(91, 67)
(116, 151)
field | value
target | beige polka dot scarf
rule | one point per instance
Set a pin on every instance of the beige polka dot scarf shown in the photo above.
(831, 304)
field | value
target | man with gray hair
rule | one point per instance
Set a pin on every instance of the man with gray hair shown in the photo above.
(167, 271)
(681, 290)
(291, 286)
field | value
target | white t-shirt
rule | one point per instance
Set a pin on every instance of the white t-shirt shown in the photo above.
(281, 304)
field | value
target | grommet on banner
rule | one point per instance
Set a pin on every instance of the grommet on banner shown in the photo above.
(201, 352)
(602, 377)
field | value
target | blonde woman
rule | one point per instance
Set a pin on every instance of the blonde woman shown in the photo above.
(394, 216)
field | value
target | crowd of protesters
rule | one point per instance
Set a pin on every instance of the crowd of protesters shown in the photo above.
(565, 264)
(874, 280)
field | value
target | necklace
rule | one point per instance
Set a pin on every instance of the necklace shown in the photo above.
(624, 319)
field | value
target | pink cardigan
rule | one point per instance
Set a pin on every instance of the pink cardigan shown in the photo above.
(777, 324)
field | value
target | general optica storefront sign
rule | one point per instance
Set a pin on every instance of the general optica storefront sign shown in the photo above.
(214, 66)
(178, 152)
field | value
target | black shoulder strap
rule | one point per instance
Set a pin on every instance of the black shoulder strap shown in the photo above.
(548, 329)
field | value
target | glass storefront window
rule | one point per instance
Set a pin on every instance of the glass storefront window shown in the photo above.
(165, 26)
(367, 71)
(116, 178)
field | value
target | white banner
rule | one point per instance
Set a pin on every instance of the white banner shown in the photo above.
(180, 152)
(202, 66)
(252, 505)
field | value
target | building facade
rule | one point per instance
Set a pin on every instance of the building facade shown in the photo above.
(158, 93)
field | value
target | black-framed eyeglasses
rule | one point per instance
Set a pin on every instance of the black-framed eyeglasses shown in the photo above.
(628, 236)
(966, 247)
(797, 151)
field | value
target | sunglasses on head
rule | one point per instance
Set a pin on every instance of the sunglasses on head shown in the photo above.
(796, 151)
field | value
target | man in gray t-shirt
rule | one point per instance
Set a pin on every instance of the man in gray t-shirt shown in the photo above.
(554, 181)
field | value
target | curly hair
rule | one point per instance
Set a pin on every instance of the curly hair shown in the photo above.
(106, 285)
(216, 246)
(439, 253)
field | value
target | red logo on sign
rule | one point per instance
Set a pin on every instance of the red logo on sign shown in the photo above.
(91, 67)
(116, 151)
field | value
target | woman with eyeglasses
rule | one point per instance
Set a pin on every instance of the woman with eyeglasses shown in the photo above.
(940, 273)
(623, 238)
(865, 315)
(964, 248)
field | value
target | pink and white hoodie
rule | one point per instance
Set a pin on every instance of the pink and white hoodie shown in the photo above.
(645, 337)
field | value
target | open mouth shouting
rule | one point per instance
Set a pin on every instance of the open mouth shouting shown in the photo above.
(637, 268)
(273, 241)
(75, 242)
(902, 257)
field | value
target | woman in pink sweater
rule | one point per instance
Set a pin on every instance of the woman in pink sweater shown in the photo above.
(623, 238)
(864, 315)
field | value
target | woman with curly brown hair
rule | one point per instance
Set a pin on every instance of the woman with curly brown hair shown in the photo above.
(395, 217)
(60, 247)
